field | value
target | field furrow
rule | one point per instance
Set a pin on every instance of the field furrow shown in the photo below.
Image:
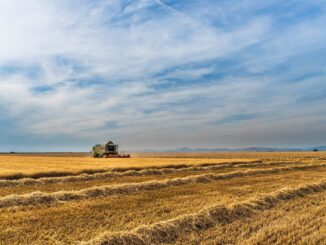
(81, 220)
(53, 184)
(10, 181)
(20, 166)
(105, 191)
(169, 231)
(224, 198)
(299, 221)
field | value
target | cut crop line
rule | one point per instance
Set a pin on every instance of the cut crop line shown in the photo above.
(169, 231)
(49, 174)
(144, 172)
(123, 189)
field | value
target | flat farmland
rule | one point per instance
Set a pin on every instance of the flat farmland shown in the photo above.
(30, 164)
(163, 198)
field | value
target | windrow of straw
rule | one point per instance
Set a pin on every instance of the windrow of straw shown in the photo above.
(169, 231)
(50, 174)
(143, 172)
(109, 190)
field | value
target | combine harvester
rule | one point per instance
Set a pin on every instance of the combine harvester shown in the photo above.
(108, 150)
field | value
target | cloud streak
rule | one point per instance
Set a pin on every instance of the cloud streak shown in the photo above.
(147, 73)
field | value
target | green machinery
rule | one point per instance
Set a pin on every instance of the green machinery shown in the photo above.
(108, 150)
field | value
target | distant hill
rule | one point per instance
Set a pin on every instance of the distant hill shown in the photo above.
(320, 148)
(247, 149)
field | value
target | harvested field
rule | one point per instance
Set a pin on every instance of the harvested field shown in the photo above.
(228, 198)
(35, 166)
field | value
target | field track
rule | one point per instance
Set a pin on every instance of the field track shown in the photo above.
(199, 201)
(132, 172)
(128, 171)
(106, 191)
(169, 231)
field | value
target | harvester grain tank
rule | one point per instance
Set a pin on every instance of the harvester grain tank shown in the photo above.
(108, 150)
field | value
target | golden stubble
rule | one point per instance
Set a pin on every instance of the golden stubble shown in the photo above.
(96, 218)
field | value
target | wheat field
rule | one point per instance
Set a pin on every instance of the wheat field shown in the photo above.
(163, 198)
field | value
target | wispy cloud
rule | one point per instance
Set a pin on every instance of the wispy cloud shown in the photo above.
(151, 72)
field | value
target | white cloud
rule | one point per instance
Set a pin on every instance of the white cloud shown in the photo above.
(126, 45)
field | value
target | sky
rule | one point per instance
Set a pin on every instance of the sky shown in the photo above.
(162, 74)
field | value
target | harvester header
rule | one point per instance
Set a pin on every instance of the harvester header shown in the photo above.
(108, 150)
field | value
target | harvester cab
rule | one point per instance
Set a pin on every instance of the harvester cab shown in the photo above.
(108, 150)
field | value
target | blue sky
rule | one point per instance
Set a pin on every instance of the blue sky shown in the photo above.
(162, 74)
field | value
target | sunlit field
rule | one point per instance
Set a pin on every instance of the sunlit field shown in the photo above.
(33, 164)
(164, 198)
